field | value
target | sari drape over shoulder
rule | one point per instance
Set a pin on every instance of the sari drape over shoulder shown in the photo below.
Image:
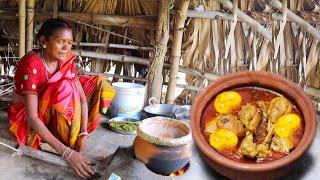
(59, 106)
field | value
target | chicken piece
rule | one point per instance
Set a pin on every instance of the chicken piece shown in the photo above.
(283, 145)
(251, 149)
(248, 147)
(263, 106)
(272, 111)
(269, 135)
(250, 116)
(232, 123)
(263, 150)
(211, 126)
(261, 132)
(278, 106)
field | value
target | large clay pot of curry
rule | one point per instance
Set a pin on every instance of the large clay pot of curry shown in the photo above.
(252, 125)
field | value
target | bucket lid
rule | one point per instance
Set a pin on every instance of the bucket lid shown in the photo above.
(127, 85)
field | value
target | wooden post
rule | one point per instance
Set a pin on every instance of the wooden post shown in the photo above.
(30, 20)
(22, 28)
(180, 18)
(55, 8)
(155, 74)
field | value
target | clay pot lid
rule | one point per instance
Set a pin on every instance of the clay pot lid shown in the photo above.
(164, 131)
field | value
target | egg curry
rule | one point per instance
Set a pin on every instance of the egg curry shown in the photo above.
(252, 124)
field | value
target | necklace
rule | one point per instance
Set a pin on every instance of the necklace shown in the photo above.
(45, 64)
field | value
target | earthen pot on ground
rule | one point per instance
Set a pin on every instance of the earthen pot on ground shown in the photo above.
(267, 170)
(163, 144)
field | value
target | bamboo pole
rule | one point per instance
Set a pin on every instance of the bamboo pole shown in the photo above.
(262, 18)
(5, 48)
(55, 8)
(210, 15)
(144, 22)
(304, 24)
(110, 56)
(144, 61)
(118, 46)
(280, 35)
(101, 29)
(180, 18)
(30, 17)
(154, 87)
(244, 17)
(44, 156)
(310, 17)
(313, 91)
(184, 86)
(22, 28)
(120, 77)
(232, 29)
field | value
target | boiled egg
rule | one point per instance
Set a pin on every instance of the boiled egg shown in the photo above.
(223, 139)
(287, 125)
(227, 101)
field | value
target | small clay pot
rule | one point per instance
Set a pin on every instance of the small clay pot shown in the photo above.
(267, 170)
(163, 144)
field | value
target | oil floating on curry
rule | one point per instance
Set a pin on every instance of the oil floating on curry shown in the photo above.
(252, 125)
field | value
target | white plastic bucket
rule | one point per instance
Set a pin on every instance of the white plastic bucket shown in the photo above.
(129, 100)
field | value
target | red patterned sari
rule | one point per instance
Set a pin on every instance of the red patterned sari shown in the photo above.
(59, 106)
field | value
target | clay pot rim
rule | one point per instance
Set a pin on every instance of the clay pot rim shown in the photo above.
(258, 79)
(164, 141)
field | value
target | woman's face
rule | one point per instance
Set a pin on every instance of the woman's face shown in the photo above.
(59, 44)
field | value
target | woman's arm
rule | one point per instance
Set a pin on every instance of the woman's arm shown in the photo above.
(84, 117)
(77, 161)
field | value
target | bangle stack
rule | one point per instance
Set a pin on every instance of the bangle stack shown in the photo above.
(67, 154)
(83, 134)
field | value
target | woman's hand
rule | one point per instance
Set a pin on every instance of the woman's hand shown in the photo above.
(80, 164)
(81, 143)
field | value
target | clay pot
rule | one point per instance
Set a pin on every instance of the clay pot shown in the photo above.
(240, 170)
(163, 144)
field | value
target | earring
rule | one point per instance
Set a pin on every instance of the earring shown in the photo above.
(44, 46)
